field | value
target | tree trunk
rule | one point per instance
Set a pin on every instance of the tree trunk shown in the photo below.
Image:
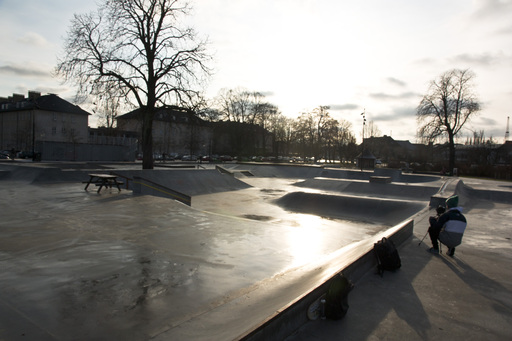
(451, 147)
(147, 139)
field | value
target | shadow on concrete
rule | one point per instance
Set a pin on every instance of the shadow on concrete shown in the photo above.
(377, 298)
(482, 284)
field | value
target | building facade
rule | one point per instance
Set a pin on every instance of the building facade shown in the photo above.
(175, 131)
(178, 131)
(27, 121)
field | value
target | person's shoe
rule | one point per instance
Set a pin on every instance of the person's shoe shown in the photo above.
(451, 252)
(433, 250)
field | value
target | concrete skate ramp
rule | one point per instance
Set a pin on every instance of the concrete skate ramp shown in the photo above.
(399, 191)
(280, 171)
(298, 171)
(371, 210)
(467, 194)
(191, 182)
(43, 174)
(313, 171)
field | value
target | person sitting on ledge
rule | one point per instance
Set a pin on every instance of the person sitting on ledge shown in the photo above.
(448, 228)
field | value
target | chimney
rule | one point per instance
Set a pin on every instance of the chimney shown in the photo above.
(17, 97)
(34, 94)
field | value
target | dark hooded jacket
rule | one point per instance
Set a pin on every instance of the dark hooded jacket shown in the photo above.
(452, 224)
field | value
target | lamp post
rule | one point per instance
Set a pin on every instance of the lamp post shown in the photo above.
(364, 123)
(33, 134)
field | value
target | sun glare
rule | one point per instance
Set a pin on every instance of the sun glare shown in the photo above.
(304, 241)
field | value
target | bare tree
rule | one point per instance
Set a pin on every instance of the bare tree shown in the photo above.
(330, 129)
(209, 114)
(264, 114)
(107, 104)
(372, 130)
(281, 128)
(346, 141)
(235, 105)
(448, 105)
(324, 130)
(140, 47)
(306, 134)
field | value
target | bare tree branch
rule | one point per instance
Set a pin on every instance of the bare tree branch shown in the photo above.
(139, 47)
(448, 105)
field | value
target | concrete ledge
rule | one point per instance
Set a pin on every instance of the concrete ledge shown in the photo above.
(144, 186)
(353, 261)
(450, 187)
(175, 166)
(437, 200)
(232, 172)
(380, 179)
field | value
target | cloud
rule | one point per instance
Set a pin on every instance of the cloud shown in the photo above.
(266, 93)
(396, 81)
(33, 39)
(341, 107)
(505, 31)
(484, 121)
(425, 61)
(386, 96)
(490, 127)
(490, 9)
(23, 71)
(478, 59)
(396, 114)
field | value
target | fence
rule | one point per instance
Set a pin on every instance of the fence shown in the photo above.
(63, 151)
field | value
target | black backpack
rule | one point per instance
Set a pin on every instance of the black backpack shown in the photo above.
(336, 299)
(387, 256)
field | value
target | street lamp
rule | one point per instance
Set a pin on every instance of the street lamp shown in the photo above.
(362, 152)
(364, 123)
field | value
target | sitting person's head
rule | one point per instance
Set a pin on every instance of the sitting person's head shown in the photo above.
(452, 201)
(440, 210)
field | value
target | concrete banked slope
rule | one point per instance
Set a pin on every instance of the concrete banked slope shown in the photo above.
(141, 266)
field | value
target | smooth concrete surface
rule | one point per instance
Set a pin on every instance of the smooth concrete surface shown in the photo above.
(79, 265)
(352, 261)
(436, 297)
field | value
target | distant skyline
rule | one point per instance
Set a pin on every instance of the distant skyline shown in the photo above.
(371, 55)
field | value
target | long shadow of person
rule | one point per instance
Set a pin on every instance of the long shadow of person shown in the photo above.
(376, 299)
(500, 296)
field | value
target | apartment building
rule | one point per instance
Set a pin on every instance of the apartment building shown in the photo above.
(27, 121)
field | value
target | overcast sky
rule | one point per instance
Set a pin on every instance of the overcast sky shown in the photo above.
(373, 55)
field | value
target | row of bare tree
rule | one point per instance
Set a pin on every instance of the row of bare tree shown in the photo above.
(139, 51)
(314, 134)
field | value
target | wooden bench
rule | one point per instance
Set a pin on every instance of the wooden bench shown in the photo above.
(103, 180)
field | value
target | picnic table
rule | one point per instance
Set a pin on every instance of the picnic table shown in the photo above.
(103, 180)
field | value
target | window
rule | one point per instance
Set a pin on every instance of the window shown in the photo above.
(54, 130)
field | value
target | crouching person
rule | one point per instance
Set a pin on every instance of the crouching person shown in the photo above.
(449, 227)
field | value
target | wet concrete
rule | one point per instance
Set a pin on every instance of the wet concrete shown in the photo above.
(436, 297)
(80, 265)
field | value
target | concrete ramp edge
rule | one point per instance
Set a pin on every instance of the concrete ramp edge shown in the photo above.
(457, 186)
(148, 187)
(353, 261)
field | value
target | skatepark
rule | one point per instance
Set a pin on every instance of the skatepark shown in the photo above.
(255, 245)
